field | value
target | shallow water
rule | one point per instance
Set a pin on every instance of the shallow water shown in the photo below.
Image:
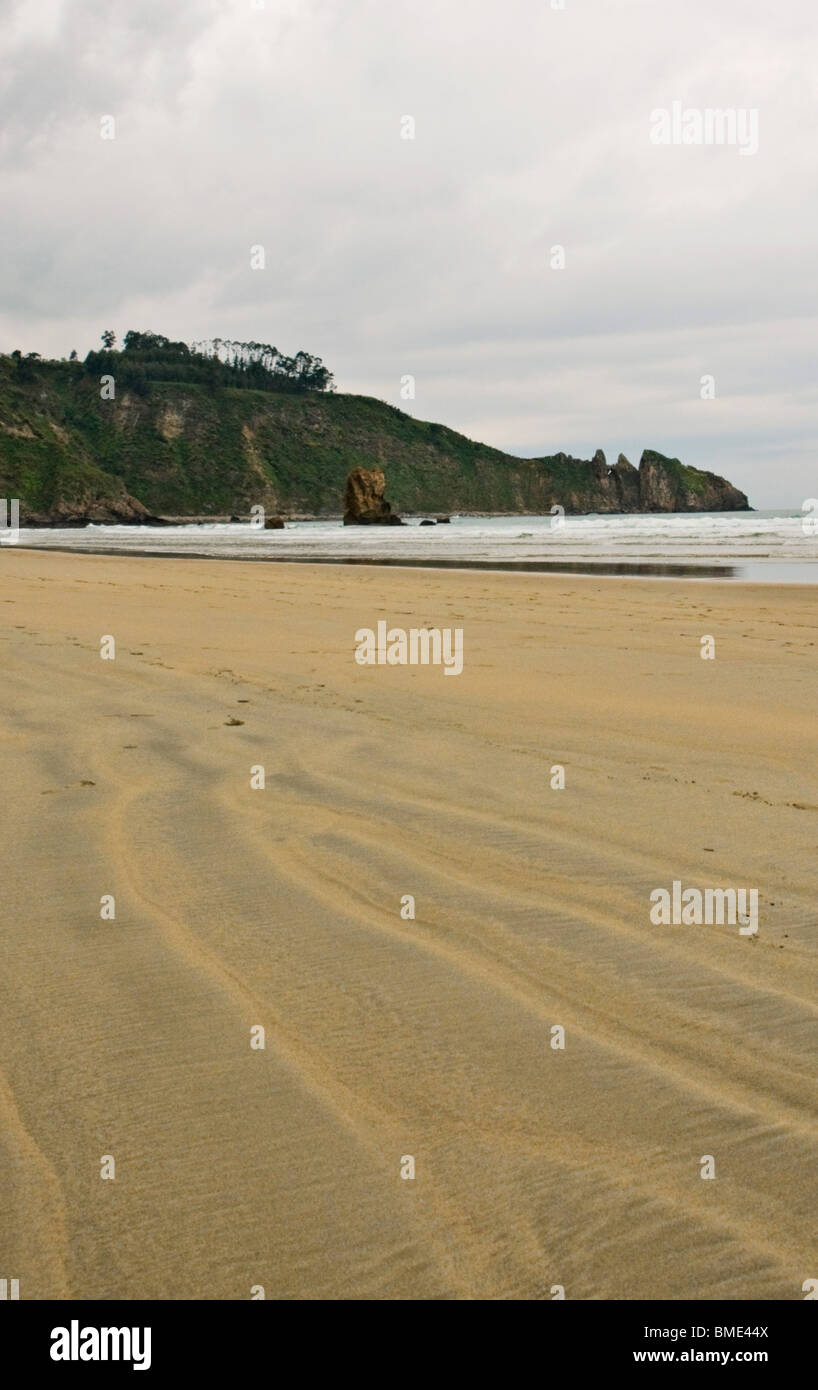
(770, 546)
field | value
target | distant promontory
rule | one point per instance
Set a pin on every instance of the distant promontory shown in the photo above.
(160, 429)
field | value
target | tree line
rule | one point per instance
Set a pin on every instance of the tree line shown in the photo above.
(147, 357)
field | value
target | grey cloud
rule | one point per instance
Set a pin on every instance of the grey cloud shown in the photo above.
(281, 126)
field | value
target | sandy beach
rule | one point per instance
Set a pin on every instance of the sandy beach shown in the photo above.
(535, 1167)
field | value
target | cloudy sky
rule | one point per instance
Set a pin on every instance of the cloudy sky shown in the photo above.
(279, 124)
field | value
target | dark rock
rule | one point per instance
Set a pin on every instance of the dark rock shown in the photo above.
(364, 502)
(274, 523)
(443, 520)
(427, 523)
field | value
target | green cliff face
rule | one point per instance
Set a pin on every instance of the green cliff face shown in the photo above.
(185, 449)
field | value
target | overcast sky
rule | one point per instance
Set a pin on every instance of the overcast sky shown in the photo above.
(281, 126)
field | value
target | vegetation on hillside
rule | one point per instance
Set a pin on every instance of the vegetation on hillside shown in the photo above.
(149, 357)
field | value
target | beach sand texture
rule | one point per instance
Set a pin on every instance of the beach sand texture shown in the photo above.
(385, 1037)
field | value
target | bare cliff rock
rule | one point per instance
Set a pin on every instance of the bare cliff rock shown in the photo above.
(666, 485)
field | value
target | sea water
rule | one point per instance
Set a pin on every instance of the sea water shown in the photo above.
(771, 546)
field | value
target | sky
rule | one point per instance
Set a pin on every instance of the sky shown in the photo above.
(408, 167)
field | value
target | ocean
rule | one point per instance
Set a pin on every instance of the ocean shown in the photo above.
(764, 546)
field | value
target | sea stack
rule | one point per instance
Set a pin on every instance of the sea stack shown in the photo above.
(364, 502)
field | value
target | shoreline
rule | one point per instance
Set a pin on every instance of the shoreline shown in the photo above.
(634, 569)
(159, 521)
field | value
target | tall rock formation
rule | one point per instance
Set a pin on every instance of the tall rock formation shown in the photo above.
(364, 502)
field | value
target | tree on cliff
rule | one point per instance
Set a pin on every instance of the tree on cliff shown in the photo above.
(262, 367)
(218, 362)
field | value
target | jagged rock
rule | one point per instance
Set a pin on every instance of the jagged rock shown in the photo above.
(626, 479)
(614, 489)
(274, 523)
(667, 485)
(659, 485)
(364, 502)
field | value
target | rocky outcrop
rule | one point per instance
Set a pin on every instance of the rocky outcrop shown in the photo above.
(660, 484)
(626, 481)
(666, 485)
(364, 501)
(106, 511)
(592, 485)
(618, 486)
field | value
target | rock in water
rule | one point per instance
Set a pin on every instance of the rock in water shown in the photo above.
(274, 523)
(364, 502)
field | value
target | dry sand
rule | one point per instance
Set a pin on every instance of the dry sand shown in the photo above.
(387, 1037)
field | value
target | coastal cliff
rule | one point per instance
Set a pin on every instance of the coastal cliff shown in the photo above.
(182, 449)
